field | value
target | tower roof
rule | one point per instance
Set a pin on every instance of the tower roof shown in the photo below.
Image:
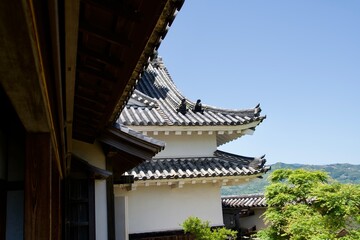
(156, 99)
(154, 106)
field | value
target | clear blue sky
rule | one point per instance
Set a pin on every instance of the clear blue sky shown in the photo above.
(299, 59)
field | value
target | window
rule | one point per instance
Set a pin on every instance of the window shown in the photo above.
(80, 205)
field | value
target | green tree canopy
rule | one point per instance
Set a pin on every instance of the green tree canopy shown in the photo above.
(305, 205)
(202, 230)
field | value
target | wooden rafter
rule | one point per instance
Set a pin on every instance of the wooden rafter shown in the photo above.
(117, 39)
(110, 60)
(118, 8)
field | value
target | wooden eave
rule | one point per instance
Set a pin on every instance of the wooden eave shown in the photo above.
(127, 151)
(30, 68)
(115, 41)
(130, 144)
(69, 67)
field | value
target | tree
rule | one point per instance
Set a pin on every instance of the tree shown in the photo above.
(304, 204)
(202, 230)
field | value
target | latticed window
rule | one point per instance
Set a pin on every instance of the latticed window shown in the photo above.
(80, 223)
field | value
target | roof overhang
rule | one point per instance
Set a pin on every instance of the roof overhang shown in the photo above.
(116, 41)
(127, 149)
(68, 67)
(223, 133)
(181, 182)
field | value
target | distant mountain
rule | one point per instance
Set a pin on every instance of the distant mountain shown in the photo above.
(344, 173)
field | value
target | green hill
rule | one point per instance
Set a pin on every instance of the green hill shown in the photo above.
(344, 173)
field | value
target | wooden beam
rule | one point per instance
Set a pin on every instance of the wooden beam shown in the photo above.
(22, 70)
(58, 107)
(72, 11)
(38, 178)
(56, 205)
(20, 65)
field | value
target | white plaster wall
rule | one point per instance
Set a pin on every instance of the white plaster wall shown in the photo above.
(256, 219)
(121, 218)
(187, 145)
(94, 155)
(101, 210)
(161, 208)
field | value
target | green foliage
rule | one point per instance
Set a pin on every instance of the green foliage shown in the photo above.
(305, 204)
(202, 230)
(343, 173)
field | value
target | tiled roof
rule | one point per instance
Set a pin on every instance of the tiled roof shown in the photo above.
(243, 201)
(138, 135)
(221, 164)
(156, 99)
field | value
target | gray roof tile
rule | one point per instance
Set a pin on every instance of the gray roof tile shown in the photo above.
(156, 98)
(221, 164)
(243, 201)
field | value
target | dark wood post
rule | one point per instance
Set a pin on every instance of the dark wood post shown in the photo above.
(37, 224)
(56, 203)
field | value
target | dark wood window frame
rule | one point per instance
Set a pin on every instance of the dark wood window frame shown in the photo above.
(80, 210)
(80, 192)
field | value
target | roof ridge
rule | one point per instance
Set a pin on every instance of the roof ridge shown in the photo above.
(229, 110)
(166, 79)
(250, 195)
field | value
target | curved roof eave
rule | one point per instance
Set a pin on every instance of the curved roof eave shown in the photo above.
(221, 164)
(158, 99)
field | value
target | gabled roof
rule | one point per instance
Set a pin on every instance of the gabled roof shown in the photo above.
(156, 99)
(221, 164)
(244, 201)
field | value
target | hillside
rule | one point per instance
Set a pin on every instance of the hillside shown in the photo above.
(344, 173)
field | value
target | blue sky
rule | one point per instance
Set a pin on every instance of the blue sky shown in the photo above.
(299, 59)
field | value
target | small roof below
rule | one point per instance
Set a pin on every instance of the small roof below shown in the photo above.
(244, 201)
(221, 164)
